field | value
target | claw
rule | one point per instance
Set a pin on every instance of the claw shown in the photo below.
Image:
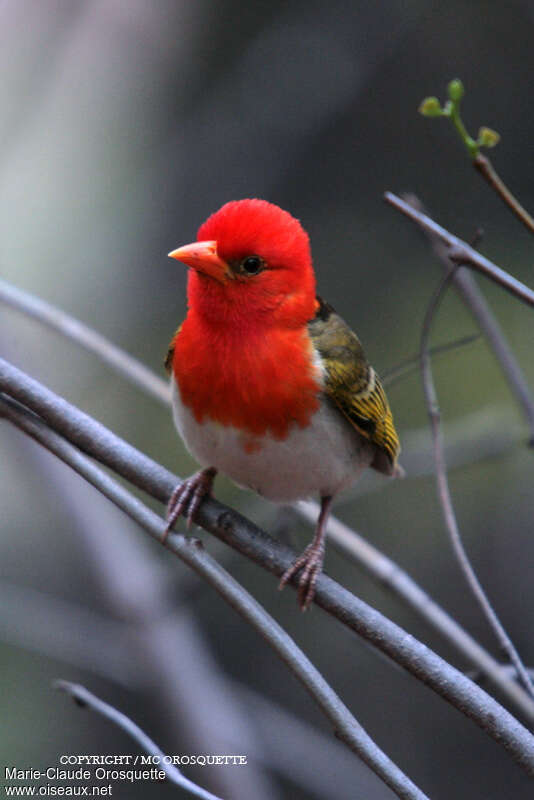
(187, 498)
(310, 561)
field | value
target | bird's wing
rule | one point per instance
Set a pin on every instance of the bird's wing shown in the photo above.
(170, 351)
(353, 385)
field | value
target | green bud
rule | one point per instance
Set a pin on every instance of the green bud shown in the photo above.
(430, 107)
(456, 90)
(488, 137)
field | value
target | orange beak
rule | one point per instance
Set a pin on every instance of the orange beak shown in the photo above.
(203, 257)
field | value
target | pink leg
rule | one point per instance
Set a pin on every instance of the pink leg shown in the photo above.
(187, 497)
(311, 560)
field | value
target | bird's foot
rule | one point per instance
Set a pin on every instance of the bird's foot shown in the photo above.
(187, 498)
(311, 563)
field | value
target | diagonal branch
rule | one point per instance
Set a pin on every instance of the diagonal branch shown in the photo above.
(83, 697)
(379, 566)
(250, 540)
(473, 298)
(193, 554)
(461, 253)
(70, 327)
(445, 495)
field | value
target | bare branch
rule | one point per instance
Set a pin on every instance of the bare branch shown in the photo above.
(473, 298)
(192, 553)
(250, 540)
(461, 253)
(84, 697)
(70, 327)
(445, 495)
(362, 552)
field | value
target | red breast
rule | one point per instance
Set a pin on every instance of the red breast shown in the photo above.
(243, 356)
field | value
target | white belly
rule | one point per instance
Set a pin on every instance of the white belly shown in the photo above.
(323, 458)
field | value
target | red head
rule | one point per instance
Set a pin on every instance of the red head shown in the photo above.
(251, 264)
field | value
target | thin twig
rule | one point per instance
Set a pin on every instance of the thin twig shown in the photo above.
(445, 495)
(483, 165)
(193, 554)
(250, 540)
(461, 253)
(391, 376)
(377, 565)
(84, 697)
(473, 298)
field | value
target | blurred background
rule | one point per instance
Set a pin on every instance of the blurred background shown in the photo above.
(124, 124)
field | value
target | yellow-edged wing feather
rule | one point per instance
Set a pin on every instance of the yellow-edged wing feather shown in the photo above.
(353, 385)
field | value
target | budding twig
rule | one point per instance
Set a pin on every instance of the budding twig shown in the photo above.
(431, 107)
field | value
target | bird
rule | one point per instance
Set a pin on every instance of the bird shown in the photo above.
(269, 385)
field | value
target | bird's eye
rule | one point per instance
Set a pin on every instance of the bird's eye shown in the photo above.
(252, 265)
